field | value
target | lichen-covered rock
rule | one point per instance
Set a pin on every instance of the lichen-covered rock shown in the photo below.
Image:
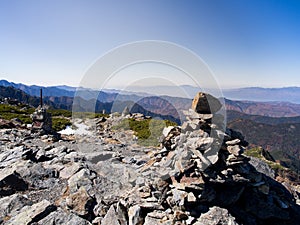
(11, 205)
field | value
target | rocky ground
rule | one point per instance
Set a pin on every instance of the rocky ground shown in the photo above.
(198, 176)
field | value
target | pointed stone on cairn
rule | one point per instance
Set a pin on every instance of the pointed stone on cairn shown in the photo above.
(204, 103)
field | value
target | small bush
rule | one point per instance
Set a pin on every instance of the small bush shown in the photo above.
(60, 123)
(148, 131)
(9, 112)
(60, 112)
(88, 115)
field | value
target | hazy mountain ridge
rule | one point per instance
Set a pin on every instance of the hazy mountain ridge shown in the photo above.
(272, 109)
(233, 115)
(284, 94)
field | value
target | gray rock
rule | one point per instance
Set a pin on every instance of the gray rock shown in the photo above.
(11, 182)
(121, 212)
(167, 130)
(216, 216)
(82, 178)
(8, 157)
(70, 169)
(202, 144)
(61, 217)
(37, 176)
(179, 196)
(10, 205)
(111, 217)
(34, 213)
(262, 167)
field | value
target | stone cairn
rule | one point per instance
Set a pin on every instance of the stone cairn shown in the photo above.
(41, 119)
(201, 177)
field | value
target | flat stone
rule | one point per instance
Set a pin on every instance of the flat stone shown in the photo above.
(34, 213)
(233, 142)
(191, 115)
(216, 216)
(62, 217)
(155, 221)
(157, 214)
(203, 144)
(69, 170)
(10, 156)
(12, 204)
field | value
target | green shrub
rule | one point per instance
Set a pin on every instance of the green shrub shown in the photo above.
(148, 131)
(88, 115)
(257, 153)
(60, 123)
(60, 112)
(9, 112)
(254, 152)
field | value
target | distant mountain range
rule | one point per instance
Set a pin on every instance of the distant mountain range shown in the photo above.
(286, 94)
(62, 97)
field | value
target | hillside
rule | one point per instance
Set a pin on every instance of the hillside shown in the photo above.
(272, 109)
(282, 140)
(233, 115)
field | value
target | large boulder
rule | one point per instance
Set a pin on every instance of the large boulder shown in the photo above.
(204, 103)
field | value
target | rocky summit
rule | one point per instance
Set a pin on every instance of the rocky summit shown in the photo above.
(199, 175)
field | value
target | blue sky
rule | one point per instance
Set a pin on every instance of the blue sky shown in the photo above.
(245, 43)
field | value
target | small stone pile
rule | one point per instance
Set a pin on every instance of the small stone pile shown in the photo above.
(42, 120)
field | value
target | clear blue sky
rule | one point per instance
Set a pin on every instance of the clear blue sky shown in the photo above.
(245, 43)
